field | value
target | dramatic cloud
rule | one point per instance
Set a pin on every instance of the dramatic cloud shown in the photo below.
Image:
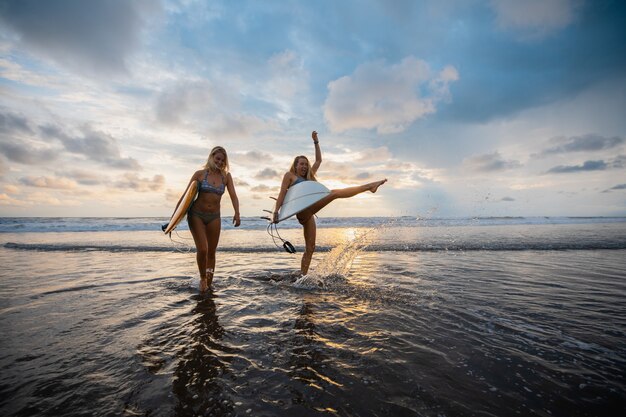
(586, 143)
(96, 146)
(386, 98)
(492, 162)
(535, 18)
(587, 166)
(97, 35)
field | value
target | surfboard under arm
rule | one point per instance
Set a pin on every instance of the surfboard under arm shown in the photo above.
(181, 210)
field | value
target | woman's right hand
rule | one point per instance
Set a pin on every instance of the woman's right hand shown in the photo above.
(314, 136)
(275, 217)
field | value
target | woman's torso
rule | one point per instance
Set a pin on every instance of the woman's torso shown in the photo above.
(211, 187)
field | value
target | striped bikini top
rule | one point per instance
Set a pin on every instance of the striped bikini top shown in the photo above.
(298, 180)
(206, 187)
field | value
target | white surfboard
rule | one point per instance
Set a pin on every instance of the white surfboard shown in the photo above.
(300, 197)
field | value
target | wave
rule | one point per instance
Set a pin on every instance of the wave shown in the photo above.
(395, 247)
(132, 224)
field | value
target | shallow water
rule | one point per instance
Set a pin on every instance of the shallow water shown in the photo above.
(388, 329)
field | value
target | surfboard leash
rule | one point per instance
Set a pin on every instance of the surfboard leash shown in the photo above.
(286, 244)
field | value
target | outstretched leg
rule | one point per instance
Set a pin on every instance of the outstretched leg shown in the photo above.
(305, 215)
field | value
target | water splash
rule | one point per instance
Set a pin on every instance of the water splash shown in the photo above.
(336, 265)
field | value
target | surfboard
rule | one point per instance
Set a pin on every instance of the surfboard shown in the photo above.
(181, 210)
(301, 196)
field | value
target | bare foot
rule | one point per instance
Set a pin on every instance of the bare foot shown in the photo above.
(375, 185)
(204, 285)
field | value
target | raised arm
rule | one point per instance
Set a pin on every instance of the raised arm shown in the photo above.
(281, 195)
(230, 186)
(318, 153)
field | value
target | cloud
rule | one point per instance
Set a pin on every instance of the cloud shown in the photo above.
(133, 182)
(618, 162)
(181, 100)
(48, 182)
(288, 77)
(268, 174)
(236, 126)
(96, 146)
(586, 143)
(254, 157)
(374, 154)
(262, 188)
(617, 187)
(27, 154)
(15, 145)
(586, 166)
(96, 36)
(12, 123)
(386, 98)
(241, 183)
(492, 162)
(84, 177)
(535, 18)
(507, 199)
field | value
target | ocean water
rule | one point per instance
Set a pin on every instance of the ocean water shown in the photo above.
(398, 317)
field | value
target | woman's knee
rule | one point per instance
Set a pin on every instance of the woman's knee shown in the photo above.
(309, 248)
(202, 251)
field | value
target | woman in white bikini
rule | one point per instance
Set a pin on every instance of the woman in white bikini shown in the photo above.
(301, 171)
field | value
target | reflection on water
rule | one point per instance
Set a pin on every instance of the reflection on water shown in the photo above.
(201, 364)
(199, 358)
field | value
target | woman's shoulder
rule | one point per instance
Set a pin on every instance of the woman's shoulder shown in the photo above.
(198, 175)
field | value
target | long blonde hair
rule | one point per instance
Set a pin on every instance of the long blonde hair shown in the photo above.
(309, 173)
(210, 163)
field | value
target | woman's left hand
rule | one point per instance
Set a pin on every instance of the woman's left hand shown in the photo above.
(236, 220)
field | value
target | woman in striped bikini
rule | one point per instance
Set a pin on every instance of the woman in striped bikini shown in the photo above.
(203, 216)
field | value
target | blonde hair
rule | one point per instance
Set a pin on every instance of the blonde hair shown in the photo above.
(210, 163)
(309, 173)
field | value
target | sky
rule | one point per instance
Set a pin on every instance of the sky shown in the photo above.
(468, 107)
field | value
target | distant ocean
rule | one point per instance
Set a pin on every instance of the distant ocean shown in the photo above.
(398, 317)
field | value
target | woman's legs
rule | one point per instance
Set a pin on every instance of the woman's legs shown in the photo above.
(213, 230)
(206, 238)
(307, 220)
(310, 230)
